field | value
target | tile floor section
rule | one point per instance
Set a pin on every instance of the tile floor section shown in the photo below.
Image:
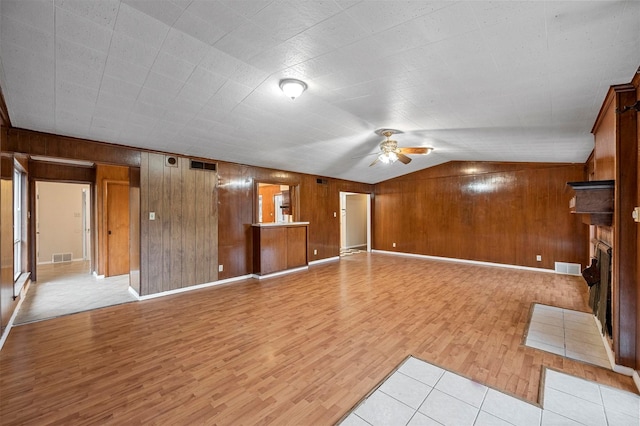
(68, 288)
(419, 393)
(568, 333)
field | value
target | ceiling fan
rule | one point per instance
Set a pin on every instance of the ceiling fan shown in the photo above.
(390, 153)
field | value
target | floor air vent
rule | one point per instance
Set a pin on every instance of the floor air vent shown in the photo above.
(568, 268)
(61, 257)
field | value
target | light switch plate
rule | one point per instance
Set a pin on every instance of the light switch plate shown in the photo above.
(636, 214)
(152, 215)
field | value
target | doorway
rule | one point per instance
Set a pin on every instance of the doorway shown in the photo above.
(355, 223)
(63, 231)
(63, 239)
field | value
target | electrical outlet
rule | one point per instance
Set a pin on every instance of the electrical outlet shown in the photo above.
(538, 258)
(315, 251)
(335, 214)
(220, 268)
(394, 244)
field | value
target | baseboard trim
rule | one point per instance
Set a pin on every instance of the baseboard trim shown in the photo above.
(471, 262)
(23, 293)
(277, 274)
(193, 287)
(134, 293)
(328, 259)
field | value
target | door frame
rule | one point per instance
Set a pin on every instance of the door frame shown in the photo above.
(343, 225)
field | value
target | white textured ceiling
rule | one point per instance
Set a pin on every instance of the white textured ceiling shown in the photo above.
(477, 80)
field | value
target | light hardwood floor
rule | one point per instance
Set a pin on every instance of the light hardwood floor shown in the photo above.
(296, 349)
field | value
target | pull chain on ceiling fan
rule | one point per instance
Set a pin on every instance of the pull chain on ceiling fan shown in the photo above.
(390, 153)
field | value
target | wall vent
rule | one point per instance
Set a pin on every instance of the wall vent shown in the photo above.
(322, 181)
(201, 165)
(61, 257)
(171, 161)
(568, 268)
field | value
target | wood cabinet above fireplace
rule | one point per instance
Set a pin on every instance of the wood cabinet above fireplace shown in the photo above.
(594, 201)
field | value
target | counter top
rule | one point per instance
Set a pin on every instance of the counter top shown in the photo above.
(265, 225)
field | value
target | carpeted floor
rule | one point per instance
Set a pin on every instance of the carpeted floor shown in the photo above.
(67, 288)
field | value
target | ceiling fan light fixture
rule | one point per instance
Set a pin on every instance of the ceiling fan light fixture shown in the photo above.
(388, 157)
(292, 88)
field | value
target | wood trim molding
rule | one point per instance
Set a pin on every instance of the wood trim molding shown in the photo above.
(609, 98)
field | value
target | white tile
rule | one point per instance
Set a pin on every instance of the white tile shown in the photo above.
(381, 409)
(575, 386)
(102, 12)
(620, 401)
(586, 348)
(580, 326)
(185, 47)
(549, 418)
(577, 409)
(600, 361)
(422, 371)
(581, 336)
(511, 409)
(546, 328)
(405, 389)
(615, 418)
(448, 410)
(544, 347)
(140, 26)
(74, 28)
(546, 338)
(541, 307)
(486, 419)
(420, 419)
(462, 388)
(553, 319)
(353, 420)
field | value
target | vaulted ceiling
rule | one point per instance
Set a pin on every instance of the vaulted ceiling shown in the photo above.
(477, 80)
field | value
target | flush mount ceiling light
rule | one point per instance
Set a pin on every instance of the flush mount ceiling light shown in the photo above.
(292, 87)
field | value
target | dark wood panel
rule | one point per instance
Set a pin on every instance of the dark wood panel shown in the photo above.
(625, 229)
(496, 216)
(36, 143)
(178, 228)
(154, 193)
(39, 170)
(296, 246)
(270, 248)
(189, 220)
(144, 224)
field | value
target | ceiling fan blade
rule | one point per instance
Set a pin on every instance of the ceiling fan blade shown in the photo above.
(403, 158)
(415, 150)
(374, 161)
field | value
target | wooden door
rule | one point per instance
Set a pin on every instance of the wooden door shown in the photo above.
(117, 219)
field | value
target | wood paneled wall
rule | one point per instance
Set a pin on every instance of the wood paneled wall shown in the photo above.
(180, 247)
(45, 144)
(318, 203)
(494, 212)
